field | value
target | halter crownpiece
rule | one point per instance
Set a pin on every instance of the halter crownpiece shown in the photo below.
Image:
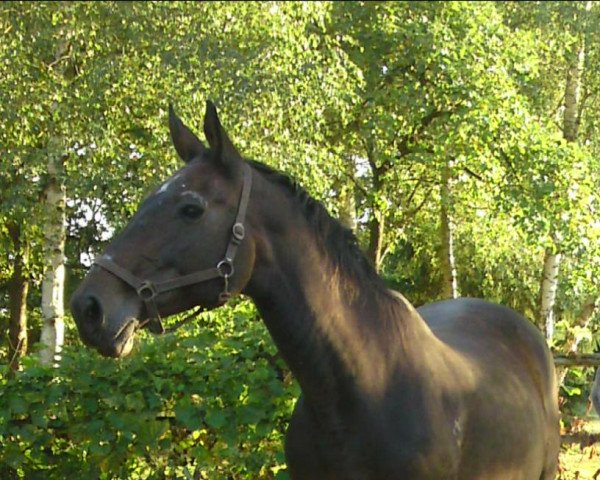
(148, 290)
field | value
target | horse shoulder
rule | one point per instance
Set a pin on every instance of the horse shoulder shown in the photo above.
(510, 408)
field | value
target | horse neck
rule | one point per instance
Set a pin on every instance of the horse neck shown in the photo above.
(341, 338)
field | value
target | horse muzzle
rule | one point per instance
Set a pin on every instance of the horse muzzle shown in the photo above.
(111, 333)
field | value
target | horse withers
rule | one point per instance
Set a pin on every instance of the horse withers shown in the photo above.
(460, 389)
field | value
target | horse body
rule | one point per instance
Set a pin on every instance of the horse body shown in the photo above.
(448, 415)
(461, 389)
(457, 389)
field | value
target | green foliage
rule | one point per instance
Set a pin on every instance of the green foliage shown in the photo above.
(371, 100)
(210, 401)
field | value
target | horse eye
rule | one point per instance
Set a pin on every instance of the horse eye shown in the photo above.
(191, 211)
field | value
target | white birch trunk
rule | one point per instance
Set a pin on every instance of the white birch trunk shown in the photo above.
(548, 291)
(53, 282)
(447, 261)
(570, 130)
(449, 276)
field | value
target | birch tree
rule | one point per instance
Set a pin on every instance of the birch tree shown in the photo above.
(55, 224)
(53, 284)
(398, 88)
(572, 115)
(447, 259)
(562, 96)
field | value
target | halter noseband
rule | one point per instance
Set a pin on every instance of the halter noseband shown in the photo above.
(148, 290)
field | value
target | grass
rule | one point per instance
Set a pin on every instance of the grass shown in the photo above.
(581, 463)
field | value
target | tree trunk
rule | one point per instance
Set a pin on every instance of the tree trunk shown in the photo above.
(53, 328)
(570, 130)
(591, 305)
(347, 203)
(548, 292)
(17, 290)
(54, 247)
(449, 280)
(376, 230)
(377, 221)
(572, 94)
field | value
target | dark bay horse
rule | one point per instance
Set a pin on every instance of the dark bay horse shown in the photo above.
(461, 389)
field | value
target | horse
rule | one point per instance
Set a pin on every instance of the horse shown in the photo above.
(595, 393)
(458, 389)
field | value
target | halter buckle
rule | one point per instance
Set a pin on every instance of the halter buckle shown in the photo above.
(147, 291)
(238, 232)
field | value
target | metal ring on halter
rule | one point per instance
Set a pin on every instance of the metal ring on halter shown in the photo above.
(228, 270)
(147, 291)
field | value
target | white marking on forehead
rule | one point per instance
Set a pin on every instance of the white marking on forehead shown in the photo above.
(191, 193)
(165, 186)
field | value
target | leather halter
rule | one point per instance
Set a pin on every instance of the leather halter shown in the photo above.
(148, 290)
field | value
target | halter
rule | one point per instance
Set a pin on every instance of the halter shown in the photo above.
(148, 290)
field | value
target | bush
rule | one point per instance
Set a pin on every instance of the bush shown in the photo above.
(210, 401)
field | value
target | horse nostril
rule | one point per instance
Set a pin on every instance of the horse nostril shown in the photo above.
(92, 310)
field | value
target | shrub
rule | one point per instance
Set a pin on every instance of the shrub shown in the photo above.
(209, 401)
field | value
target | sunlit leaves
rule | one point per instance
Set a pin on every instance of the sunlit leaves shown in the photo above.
(212, 398)
(310, 88)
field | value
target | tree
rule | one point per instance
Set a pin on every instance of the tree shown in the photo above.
(18, 289)
(565, 94)
(425, 127)
(430, 80)
(571, 118)
(447, 260)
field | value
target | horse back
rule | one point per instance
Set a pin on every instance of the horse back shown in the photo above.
(480, 330)
(512, 393)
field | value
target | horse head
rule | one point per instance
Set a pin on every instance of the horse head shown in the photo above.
(187, 245)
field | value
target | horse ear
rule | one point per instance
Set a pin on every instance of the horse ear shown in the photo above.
(185, 142)
(221, 146)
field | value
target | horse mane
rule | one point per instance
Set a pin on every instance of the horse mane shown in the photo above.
(338, 241)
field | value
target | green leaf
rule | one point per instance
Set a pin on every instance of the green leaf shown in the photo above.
(216, 418)
(189, 416)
